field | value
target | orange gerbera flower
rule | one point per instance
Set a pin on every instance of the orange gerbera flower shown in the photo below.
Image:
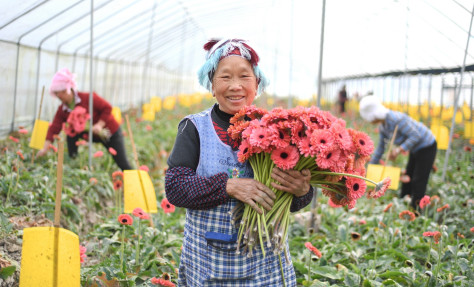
(93, 181)
(125, 219)
(442, 207)
(116, 174)
(118, 184)
(407, 215)
(112, 151)
(161, 282)
(313, 249)
(20, 155)
(388, 207)
(435, 234)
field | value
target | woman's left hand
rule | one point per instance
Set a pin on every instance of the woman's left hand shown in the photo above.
(97, 128)
(292, 181)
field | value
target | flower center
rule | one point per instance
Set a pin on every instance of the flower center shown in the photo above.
(246, 150)
(328, 156)
(355, 187)
(362, 142)
(282, 136)
(323, 141)
(284, 155)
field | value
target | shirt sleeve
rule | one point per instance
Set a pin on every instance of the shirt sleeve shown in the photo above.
(379, 150)
(57, 125)
(301, 202)
(408, 129)
(102, 107)
(186, 148)
(184, 188)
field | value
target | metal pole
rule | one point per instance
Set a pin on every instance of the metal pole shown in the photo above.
(91, 88)
(290, 99)
(451, 131)
(321, 46)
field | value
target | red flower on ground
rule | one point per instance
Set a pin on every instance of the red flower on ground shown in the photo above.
(442, 207)
(161, 282)
(98, 153)
(148, 128)
(93, 181)
(125, 219)
(467, 148)
(82, 253)
(20, 155)
(118, 184)
(387, 207)
(313, 249)
(144, 168)
(140, 213)
(23, 131)
(424, 201)
(435, 234)
(380, 188)
(55, 149)
(355, 187)
(472, 229)
(112, 151)
(117, 174)
(167, 206)
(407, 215)
(81, 142)
(362, 222)
(14, 139)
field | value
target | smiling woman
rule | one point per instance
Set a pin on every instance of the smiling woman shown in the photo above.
(206, 177)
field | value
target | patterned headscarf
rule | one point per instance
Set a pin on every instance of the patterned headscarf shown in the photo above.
(219, 49)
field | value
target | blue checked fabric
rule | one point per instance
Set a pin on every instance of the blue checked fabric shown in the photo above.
(213, 263)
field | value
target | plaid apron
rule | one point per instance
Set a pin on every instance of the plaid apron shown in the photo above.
(209, 255)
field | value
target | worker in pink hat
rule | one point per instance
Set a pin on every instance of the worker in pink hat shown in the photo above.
(72, 116)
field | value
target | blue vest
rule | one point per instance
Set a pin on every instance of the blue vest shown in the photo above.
(209, 247)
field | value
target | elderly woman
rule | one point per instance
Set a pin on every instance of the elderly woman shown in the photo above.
(198, 178)
(105, 128)
(411, 136)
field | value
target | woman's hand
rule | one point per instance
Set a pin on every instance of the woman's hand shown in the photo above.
(251, 192)
(97, 128)
(292, 181)
(44, 150)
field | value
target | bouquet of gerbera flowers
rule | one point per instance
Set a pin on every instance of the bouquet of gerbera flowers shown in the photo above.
(78, 121)
(299, 138)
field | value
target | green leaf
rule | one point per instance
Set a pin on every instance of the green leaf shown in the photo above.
(6, 272)
(326, 271)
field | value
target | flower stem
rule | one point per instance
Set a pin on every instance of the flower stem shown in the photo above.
(137, 251)
(122, 249)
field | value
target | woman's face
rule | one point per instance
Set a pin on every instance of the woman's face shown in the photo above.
(64, 96)
(234, 84)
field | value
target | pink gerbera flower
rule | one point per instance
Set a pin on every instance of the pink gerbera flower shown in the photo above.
(356, 187)
(23, 131)
(98, 153)
(260, 137)
(328, 158)
(341, 136)
(332, 204)
(280, 136)
(112, 151)
(322, 140)
(14, 139)
(140, 213)
(313, 249)
(424, 201)
(285, 158)
(144, 168)
(362, 142)
(167, 206)
(380, 188)
(306, 148)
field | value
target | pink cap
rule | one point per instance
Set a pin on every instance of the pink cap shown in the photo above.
(62, 80)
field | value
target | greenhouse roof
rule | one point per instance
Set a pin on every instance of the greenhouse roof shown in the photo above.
(360, 37)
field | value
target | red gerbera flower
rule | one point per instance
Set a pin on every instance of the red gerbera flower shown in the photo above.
(435, 234)
(260, 138)
(125, 219)
(362, 142)
(355, 187)
(148, 128)
(424, 201)
(112, 151)
(245, 151)
(380, 188)
(407, 215)
(55, 149)
(93, 181)
(388, 207)
(98, 153)
(313, 249)
(23, 131)
(472, 229)
(322, 140)
(20, 154)
(285, 158)
(82, 253)
(81, 142)
(117, 174)
(14, 139)
(117, 184)
(161, 282)
(144, 168)
(280, 136)
(341, 136)
(306, 148)
(140, 213)
(332, 204)
(167, 206)
(328, 159)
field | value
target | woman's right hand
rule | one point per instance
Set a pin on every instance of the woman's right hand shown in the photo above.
(251, 192)
(45, 148)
